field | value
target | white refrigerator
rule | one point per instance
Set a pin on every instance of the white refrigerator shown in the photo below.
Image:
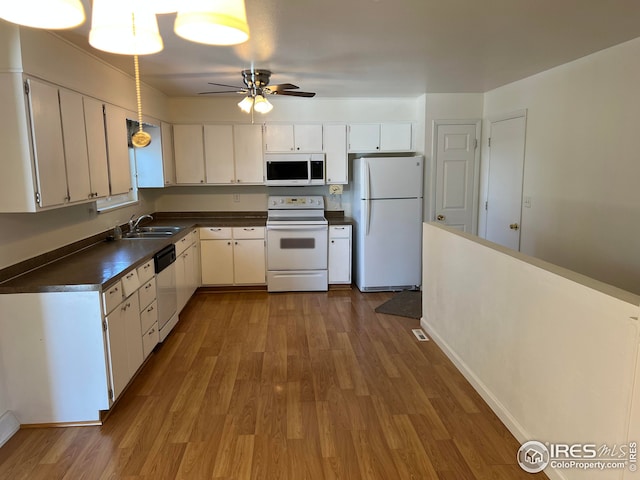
(387, 211)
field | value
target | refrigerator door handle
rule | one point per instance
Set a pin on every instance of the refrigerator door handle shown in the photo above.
(367, 180)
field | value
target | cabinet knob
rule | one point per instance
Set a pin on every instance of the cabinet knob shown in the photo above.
(228, 243)
(201, 181)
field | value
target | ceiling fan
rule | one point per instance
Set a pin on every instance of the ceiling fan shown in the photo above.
(256, 88)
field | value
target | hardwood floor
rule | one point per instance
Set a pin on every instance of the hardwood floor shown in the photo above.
(291, 386)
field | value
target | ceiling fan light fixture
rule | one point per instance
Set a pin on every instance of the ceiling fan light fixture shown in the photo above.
(246, 104)
(49, 14)
(212, 22)
(118, 27)
(262, 105)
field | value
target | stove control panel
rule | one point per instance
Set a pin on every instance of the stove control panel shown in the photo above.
(312, 202)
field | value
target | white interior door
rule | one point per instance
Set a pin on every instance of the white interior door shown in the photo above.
(456, 174)
(504, 188)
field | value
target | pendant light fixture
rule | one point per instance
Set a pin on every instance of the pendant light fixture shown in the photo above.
(212, 22)
(49, 14)
(125, 27)
(140, 139)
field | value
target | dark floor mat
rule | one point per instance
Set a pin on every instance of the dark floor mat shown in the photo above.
(407, 303)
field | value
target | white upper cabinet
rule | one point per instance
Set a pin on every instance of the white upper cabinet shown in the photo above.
(303, 138)
(396, 137)
(96, 147)
(335, 150)
(381, 137)
(48, 147)
(75, 146)
(188, 144)
(118, 149)
(219, 156)
(168, 162)
(364, 137)
(249, 161)
(69, 145)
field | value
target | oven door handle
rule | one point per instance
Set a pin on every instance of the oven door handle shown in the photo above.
(297, 228)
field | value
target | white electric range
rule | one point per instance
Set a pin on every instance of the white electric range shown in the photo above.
(297, 244)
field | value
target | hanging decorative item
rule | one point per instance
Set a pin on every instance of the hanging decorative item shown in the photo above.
(140, 139)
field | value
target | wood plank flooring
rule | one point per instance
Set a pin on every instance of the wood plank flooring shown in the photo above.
(292, 386)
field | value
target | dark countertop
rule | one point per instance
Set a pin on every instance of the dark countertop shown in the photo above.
(95, 266)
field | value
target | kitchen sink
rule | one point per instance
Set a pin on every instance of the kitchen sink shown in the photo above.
(152, 232)
(158, 229)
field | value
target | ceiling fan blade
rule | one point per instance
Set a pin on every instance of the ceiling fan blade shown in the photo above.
(225, 85)
(224, 91)
(295, 93)
(282, 86)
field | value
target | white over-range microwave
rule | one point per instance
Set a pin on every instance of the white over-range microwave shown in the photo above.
(294, 169)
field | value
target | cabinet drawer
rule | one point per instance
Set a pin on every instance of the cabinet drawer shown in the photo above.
(147, 293)
(149, 316)
(215, 233)
(146, 272)
(183, 244)
(130, 282)
(112, 297)
(248, 232)
(340, 231)
(150, 339)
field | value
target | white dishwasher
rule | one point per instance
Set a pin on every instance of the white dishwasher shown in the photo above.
(165, 267)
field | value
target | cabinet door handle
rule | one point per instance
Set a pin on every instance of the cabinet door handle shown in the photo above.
(150, 309)
(249, 229)
(129, 276)
(152, 331)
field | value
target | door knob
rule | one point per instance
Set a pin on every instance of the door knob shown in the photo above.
(441, 218)
(514, 226)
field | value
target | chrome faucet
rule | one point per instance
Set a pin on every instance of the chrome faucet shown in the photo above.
(133, 224)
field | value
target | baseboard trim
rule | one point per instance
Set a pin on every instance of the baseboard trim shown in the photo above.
(9, 425)
(498, 408)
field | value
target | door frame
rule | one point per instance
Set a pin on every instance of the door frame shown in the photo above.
(523, 112)
(431, 208)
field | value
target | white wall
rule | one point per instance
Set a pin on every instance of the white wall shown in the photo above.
(581, 163)
(552, 352)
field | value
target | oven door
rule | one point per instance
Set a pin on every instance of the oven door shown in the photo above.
(297, 247)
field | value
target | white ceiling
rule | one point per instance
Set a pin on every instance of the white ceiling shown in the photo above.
(387, 48)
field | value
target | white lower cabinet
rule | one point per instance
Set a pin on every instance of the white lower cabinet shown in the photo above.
(68, 356)
(340, 254)
(232, 256)
(125, 343)
(187, 267)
